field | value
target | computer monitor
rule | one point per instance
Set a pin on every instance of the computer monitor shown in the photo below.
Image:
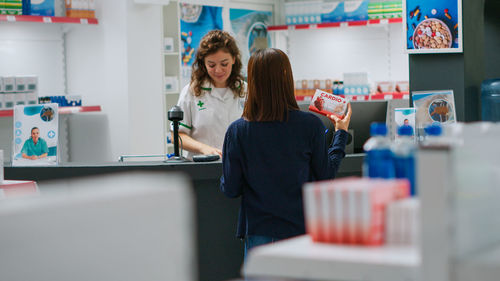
(363, 114)
(122, 226)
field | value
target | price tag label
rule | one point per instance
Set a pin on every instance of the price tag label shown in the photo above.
(11, 18)
(84, 21)
(313, 26)
(344, 24)
(387, 97)
(47, 19)
(384, 21)
(361, 97)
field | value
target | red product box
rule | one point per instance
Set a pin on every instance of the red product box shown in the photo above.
(328, 104)
(11, 188)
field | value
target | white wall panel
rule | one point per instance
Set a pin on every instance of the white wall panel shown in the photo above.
(97, 69)
(145, 79)
(34, 49)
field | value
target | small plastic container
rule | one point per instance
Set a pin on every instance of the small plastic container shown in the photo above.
(490, 100)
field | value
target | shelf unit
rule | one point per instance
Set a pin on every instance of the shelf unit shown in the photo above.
(375, 97)
(45, 19)
(328, 50)
(335, 24)
(171, 63)
(62, 110)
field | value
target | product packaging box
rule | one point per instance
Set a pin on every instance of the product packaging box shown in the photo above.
(393, 9)
(168, 44)
(385, 87)
(91, 11)
(42, 8)
(31, 82)
(327, 104)
(356, 10)
(402, 87)
(13, 7)
(376, 10)
(19, 98)
(171, 84)
(332, 12)
(84, 8)
(9, 83)
(77, 8)
(74, 100)
(350, 210)
(26, 7)
(403, 225)
(356, 83)
(31, 98)
(9, 100)
(20, 84)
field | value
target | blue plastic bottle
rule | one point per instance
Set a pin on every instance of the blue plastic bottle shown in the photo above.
(490, 100)
(433, 135)
(378, 161)
(403, 153)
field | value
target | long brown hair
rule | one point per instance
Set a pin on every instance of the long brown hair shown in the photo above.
(211, 43)
(270, 87)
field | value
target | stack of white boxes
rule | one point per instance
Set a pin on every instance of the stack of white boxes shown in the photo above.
(18, 90)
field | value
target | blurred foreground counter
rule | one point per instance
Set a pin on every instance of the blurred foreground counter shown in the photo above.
(220, 254)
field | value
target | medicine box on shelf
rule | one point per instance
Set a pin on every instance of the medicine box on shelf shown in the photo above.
(9, 84)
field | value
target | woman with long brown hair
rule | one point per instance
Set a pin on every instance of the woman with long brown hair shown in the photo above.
(273, 150)
(215, 96)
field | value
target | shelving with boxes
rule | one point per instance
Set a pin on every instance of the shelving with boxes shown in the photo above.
(35, 45)
(365, 38)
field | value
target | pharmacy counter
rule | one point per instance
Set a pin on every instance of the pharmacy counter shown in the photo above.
(220, 254)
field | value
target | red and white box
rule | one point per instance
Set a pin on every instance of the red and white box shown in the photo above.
(11, 188)
(350, 210)
(328, 104)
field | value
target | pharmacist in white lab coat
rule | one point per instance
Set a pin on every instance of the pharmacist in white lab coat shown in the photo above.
(215, 96)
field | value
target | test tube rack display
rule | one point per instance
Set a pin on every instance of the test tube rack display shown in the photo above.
(18, 90)
(351, 210)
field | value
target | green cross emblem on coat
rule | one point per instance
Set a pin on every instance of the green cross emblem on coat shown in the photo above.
(200, 104)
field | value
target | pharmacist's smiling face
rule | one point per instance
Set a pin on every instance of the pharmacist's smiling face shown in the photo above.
(219, 66)
(35, 133)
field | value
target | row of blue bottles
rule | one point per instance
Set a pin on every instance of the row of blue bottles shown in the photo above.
(388, 160)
